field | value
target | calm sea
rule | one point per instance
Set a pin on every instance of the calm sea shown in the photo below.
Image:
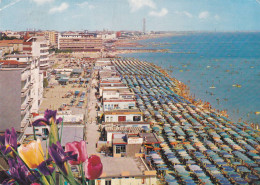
(221, 68)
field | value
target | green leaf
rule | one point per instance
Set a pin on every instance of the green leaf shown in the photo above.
(54, 135)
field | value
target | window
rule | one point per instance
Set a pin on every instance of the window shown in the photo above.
(120, 149)
(45, 131)
(137, 118)
(108, 182)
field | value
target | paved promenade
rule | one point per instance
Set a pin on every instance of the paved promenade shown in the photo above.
(91, 126)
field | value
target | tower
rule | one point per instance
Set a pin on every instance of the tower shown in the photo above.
(144, 26)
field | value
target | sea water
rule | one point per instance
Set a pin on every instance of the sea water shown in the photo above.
(220, 68)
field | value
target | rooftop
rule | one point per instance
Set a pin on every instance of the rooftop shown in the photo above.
(113, 85)
(149, 138)
(125, 123)
(124, 129)
(124, 111)
(18, 56)
(15, 41)
(131, 167)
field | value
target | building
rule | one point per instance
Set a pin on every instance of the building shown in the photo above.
(21, 91)
(80, 42)
(5, 48)
(36, 78)
(133, 144)
(112, 104)
(10, 46)
(118, 99)
(123, 115)
(38, 46)
(52, 36)
(110, 131)
(111, 86)
(126, 171)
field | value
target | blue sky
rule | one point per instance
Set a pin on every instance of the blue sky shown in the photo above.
(167, 15)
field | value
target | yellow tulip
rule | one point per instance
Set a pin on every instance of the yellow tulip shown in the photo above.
(32, 153)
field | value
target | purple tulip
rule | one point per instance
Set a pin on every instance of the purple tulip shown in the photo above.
(59, 156)
(7, 140)
(46, 167)
(20, 173)
(48, 116)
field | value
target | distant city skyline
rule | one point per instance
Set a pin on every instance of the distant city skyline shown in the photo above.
(160, 15)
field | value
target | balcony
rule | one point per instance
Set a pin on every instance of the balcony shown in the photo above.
(25, 75)
(25, 121)
(25, 91)
(24, 109)
(30, 102)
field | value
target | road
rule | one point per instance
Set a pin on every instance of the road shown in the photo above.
(92, 133)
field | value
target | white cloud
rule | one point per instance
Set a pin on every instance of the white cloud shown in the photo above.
(137, 4)
(8, 5)
(40, 2)
(258, 1)
(60, 8)
(185, 13)
(204, 15)
(161, 13)
(86, 4)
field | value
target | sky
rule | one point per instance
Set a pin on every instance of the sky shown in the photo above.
(160, 15)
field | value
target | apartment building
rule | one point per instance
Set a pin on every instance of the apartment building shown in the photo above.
(52, 36)
(79, 42)
(38, 46)
(21, 91)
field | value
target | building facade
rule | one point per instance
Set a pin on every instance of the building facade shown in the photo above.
(27, 82)
(79, 42)
(52, 36)
(38, 46)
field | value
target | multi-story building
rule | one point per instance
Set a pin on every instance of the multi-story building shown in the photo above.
(38, 46)
(21, 88)
(52, 36)
(79, 42)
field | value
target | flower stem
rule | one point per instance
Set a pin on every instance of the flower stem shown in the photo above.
(34, 134)
(82, 174)
(61, 130)
(61, 180)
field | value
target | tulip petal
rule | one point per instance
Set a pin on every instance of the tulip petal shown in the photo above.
(50, 114)
(11, 138)
(58, 156)
(78, 148)
(83, 151)
(59, 120)
(41, 122)
(46, 167)
(32, 153)
(93, 167)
